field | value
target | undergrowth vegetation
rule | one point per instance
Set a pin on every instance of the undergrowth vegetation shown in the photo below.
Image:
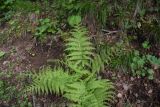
(5, 9)
(11, 93)
(45, 27)
(116, 56)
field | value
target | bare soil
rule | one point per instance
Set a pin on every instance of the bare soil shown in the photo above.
(24, 54)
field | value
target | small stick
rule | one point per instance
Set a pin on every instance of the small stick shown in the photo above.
(108, 32)
(137, 9)
(34, 103)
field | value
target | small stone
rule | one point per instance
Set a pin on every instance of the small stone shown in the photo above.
(155, 67)
(136, 95)
(119, 76)
(150, 91)
(119, 95)
(125, 86)
(145, 85)
(132, 79)
(5, 62)
(138, 77)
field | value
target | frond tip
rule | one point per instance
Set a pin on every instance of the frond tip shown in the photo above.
(79, 47)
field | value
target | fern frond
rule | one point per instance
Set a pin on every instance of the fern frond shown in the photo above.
(106, 54)
(103, 91)
(51, 81)
(75, 91)
(79, 47)
(97, 64)
(94, 93)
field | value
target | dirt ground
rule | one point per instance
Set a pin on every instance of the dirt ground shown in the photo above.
(24, 54)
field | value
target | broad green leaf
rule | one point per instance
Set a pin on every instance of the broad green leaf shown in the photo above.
(2, 54)
(74, 20)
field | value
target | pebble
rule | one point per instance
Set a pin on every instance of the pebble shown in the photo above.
(145, 85)
(150, 91)
(119, 76)
(132, 79)
(5, 62)
(136, 95)
(119, 95)
(125, 86)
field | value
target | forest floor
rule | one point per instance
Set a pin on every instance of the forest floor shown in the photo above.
(24, 55)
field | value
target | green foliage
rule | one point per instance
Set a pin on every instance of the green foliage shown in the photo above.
(26, 5)
(139, 68)
(77, 81)
(51, 81)
(79, 47)
(2, 54)
(82, 93)
(146, 45)
(92, 93)
(116, 56)
(134, 17)
(5, 93)
(97, 64)
(74, 20)
(96, 9)
(5, 9)
(144, 65)
(10, 91)
(25, 102)
(154, 60)
(45, 27)
(140, 65)
(2, 88)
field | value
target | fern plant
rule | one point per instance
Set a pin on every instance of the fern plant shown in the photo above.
(78, 81)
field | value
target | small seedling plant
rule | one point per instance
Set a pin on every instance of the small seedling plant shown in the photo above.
(139, 66)
(144, 65)
(2, 54)
(45, 28)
